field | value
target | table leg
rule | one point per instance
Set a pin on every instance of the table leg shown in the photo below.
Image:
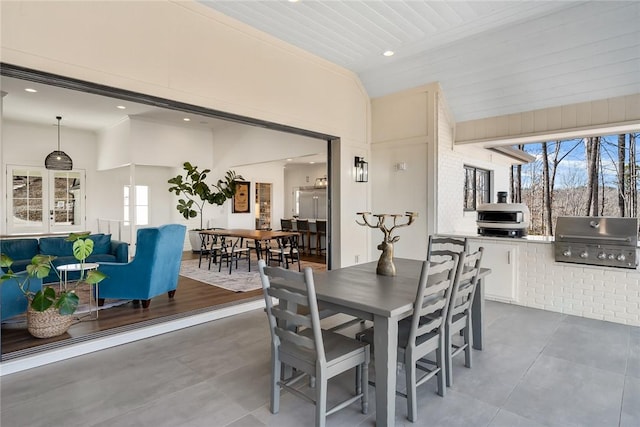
(477, 314)
(385, 344)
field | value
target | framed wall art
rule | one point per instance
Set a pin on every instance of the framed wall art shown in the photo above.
(241, 199)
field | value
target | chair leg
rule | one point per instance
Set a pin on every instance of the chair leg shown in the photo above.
(410, 375)
(171, 293)
(100, 302)
(449, 359)
(276, 370)
(321, 400)
(146, 303)
(364, 386)
(468, 341)
(440, 361)
(136, 303)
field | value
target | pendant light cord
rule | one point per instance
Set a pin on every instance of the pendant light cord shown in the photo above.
(59, 118)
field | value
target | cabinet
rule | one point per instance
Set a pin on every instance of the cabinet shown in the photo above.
(502, 259)
(263, 206)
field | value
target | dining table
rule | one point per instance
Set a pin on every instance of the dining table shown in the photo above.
(256, 235)
(385, 300)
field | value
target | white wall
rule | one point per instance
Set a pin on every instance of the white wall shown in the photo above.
(187, 52)
(28, 144)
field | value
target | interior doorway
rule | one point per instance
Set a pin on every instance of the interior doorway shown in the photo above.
(263, 206)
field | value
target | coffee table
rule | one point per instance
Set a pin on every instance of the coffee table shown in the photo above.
(64, 280)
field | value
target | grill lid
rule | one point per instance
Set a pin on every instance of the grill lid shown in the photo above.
(600, 230)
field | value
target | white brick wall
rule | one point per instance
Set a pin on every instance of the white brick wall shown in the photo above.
(602, 293)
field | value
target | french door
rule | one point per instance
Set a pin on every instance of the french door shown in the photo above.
(44, 201)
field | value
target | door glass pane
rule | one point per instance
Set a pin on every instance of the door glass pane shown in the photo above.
(27, 199)
(66, 199)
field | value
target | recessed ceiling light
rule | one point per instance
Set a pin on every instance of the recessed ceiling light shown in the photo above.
(289, 160)
(311, 163)
(121, 107)
(388, 53)
(30, 90)
(187, 119)
(293, 1)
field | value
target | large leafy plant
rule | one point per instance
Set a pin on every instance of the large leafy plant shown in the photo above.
(197, 193)
(64, 300)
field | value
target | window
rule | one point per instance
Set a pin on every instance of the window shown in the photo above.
(477, 187)
(44, 201)
(141, 206)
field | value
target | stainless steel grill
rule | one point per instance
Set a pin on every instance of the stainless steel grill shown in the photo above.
(606, 241)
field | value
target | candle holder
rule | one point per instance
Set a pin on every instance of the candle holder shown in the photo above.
(386, 267)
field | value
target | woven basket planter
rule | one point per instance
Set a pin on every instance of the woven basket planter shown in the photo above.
(48, 323)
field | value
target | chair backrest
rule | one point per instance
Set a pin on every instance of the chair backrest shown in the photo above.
(321, 226)
(159, 250)
(286, 320)
(441, 247)
(286, 224)
(302, 224)
(432, 299)
(465, 283)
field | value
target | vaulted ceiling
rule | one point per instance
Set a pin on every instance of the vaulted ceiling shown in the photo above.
(490, 57)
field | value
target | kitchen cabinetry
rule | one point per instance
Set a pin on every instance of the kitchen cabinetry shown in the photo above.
(502, 259)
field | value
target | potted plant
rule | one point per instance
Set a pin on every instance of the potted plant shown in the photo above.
(50, 311)
(197, 194)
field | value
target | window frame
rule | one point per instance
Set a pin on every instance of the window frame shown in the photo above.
(478, 182)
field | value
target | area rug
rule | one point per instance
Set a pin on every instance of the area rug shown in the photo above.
(240, 279)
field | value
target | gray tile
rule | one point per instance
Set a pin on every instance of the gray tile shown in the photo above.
(522, 327)
(509, 419)
(246, 421)
(559, 393)
(630, 416)
(594, 343)
(633, 361)
(494, 373)
(453, 410)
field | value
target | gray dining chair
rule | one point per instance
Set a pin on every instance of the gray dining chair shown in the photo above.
(442, 247)
(459, 314)
(423, 333)
(298, 342)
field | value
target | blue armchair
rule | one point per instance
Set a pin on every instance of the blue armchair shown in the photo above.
(12, 300)
(153, 271)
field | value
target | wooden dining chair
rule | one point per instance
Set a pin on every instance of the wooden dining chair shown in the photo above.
(286, 252)
(209, 248)
(298, 342)
(321, 234)
(302, 226)
(443, 247)
(233, 251)
(423, 333)
(286, 224)
(459, 314)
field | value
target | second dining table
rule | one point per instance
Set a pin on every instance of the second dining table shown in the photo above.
(256, 235)
(357, 290)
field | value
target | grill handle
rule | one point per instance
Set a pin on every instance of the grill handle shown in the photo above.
(577, 237)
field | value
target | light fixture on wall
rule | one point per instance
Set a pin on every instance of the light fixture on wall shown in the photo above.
(362, 170)
(321, 182)
(58, 160)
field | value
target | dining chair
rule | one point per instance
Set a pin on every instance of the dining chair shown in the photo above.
(232, 250)
(442, 247)
(303, 349)
(423, 333)
(459, 314)
(286, 253)
(209, 248)
(260, 247)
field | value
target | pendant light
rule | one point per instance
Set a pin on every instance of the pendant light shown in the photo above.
(58, 160)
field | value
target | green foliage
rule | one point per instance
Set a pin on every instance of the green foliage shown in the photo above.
(66, 301)
(198, 193)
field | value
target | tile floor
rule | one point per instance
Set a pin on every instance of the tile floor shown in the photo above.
(538, 369)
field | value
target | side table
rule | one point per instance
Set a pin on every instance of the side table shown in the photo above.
(64, 274)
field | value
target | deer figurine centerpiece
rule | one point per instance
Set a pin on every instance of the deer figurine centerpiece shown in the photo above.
(386, 267)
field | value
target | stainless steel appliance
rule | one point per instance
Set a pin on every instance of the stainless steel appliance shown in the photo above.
(503, 219)
(608, 241)
(312, 203)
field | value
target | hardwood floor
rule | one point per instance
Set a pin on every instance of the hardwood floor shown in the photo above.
(191, 297)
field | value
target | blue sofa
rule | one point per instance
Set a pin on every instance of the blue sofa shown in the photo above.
(22, 250)
(12, 300)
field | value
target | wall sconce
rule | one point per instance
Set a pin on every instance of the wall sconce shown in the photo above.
(362, 170)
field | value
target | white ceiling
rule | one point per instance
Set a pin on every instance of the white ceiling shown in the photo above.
(490, 57)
